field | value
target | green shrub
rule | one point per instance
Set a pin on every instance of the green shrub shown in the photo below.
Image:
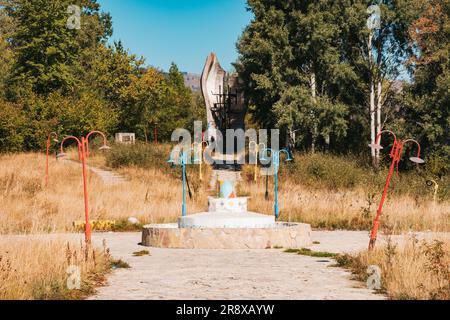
(12, 121)
(153, 156)
(140, 155)
(324, 170)
(337, 172)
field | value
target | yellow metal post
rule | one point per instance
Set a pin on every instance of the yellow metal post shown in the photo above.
(255, 147)
(197, 148)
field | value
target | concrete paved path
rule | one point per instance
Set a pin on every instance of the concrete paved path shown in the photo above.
(108, 177)
(232, 274)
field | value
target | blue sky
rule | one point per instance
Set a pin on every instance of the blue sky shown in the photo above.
(182, 31)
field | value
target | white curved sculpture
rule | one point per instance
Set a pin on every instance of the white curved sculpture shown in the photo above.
(212, 81)
(215, 84)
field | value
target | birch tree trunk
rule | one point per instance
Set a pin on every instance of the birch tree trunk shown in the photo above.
(313, 96)
(372, 100)
(379, 128)
(145, 135)
(379, 94)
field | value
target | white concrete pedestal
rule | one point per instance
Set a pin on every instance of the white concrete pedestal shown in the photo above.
(227, 213)
(233, 220)
(227, 225)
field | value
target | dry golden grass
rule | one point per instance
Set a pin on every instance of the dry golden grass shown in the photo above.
(38, 268)
(411, 270)
(29, 207)
(350, 209)
(153, 196)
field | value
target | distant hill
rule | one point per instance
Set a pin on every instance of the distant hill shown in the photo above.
(192, 81)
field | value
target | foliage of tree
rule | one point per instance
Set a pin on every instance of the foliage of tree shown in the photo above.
(12, 122)
(70, 80)
(291, 59)
(155, 99)
(426, 112)
(45, 47)
(303, 59)
(307, 67)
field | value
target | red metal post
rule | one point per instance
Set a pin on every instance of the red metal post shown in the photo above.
(393, 155)
(82, 156)
(49, 137)
(86, 206)
(376, 222)
(396, 155)
(86, 143)
(83, 145)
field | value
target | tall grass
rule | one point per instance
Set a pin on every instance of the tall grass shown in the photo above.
(29, 207)
(347, 209)
(332, 192)
(332, 172)
(38, 268)
(412, 270)
(148, 156)
(152, 193)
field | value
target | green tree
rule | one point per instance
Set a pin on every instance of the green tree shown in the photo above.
(157, 99)
(289, 56)
(426, 112)
(67, 115)
(322, 46)
(45, 47)
(7, 26)
(12, 122)
(49, 52)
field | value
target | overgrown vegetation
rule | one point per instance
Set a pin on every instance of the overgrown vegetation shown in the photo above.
(308, 68)
(412, 270)
(311, 253)
(72, 81)
(119, 264)
(41, 268)
(339, 173)
(349, 190)
(343, 192)
(141, 253)
(156, 156)
(140, 155)
(28, 206)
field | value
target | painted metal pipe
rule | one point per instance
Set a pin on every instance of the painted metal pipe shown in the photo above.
(48, 144)
(275, 154)
(82, 145)
(395, 155)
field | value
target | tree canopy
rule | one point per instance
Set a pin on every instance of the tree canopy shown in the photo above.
(308, 68)
(68, 79)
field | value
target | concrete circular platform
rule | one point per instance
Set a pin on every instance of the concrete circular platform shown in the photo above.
(281, 234)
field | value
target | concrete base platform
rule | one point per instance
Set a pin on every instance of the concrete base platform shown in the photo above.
(235, 220)
(286, 235)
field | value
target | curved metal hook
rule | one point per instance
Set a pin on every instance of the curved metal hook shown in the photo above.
(286, 151)
(62, 154)
(378, 146)
(416, 159)
(55, 135)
